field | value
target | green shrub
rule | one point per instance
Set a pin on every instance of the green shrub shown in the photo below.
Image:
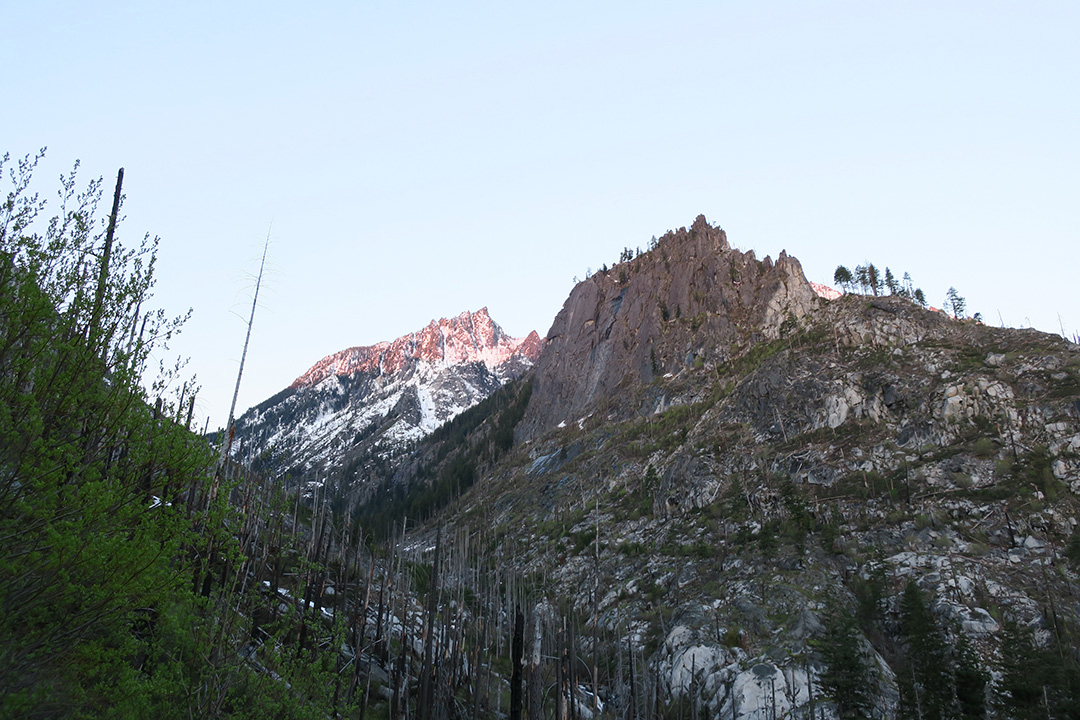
(732, 637)
(1072, 550)
(985, 448)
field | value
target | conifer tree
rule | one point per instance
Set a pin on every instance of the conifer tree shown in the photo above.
(955, 303)
(873, 279)
(862, 278)
(842, 277)
(907, 287)
(890, 282)
(1023, 673)
(971, 680)
(847, 677)
(930, 662)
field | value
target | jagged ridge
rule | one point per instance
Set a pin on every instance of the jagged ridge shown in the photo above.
(691, 299)
(469, 337)
(384, 395)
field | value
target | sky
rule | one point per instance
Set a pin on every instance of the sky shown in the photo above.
(414, 160)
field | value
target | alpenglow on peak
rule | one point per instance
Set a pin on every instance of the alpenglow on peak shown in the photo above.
(469, 337)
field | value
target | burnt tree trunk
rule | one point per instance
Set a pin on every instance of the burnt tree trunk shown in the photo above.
(427, 672)
(516, 654)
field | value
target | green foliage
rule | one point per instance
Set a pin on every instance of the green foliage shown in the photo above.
(655, 591)
(1063, 387)
(868, 277)
(843, 277)
(971, 680)
(866, 484)
(734, 505)
(828, 534)
(928, 674)
(799, 522)
(583, 540)
(652, 479)
(1022, 672)
(767, 537)
(507, 404)
(891, 283)
(755, 357)
(1034, 470)
(662, 432)
(847, 679)
(955, 303)
(985, 448)
(462, 448)
(1037, 681)
(732, 637)
(1072, 550)
(972, 360)
(870, 596)
(120, 564)
(93, 472)
(421, 577)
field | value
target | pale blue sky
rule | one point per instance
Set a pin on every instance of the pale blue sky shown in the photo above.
(419, 159)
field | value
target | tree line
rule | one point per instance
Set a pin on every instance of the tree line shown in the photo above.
(870, 281)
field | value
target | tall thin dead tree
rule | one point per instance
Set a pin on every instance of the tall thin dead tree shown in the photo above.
(517, 651)
(226, 442)
(103, 267)
(428, 671)
(534, 684)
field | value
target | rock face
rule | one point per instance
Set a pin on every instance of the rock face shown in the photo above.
(691, 299)
(386, 394)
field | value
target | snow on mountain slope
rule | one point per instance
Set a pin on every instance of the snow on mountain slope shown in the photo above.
(469, 337)
(388, 394)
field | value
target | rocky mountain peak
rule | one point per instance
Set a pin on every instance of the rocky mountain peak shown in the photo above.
(469, 337)
(375, 398)
(690, 299)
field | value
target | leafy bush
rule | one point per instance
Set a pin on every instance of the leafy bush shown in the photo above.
(985, 448)
(96, 468)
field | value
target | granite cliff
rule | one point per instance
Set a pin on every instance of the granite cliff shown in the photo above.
(691, 299)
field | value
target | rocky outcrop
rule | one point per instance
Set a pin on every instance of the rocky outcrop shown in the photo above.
(690, 299)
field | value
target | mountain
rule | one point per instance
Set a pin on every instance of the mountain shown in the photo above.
(750, 495)
(383, 397)
(719, 490)
(714, 490)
